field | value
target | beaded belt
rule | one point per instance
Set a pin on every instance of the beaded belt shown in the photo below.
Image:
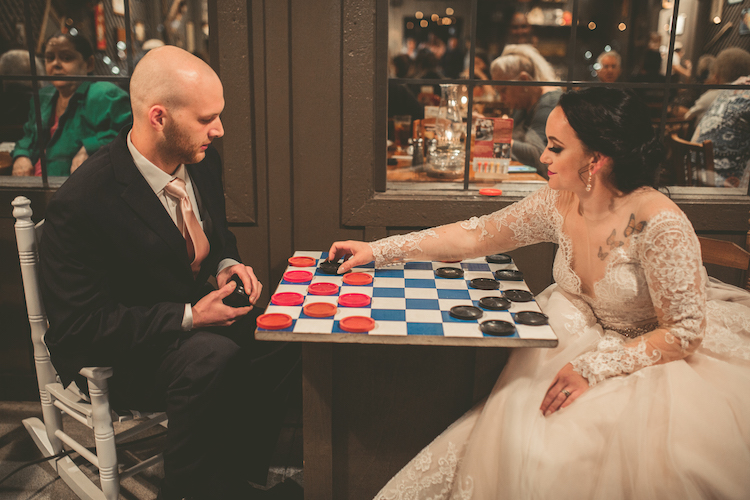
(633, 332)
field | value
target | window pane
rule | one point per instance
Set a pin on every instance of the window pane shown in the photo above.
(542, 24)
(15, 95)
(183, 24)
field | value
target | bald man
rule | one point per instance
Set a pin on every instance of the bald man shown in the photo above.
(125, 285)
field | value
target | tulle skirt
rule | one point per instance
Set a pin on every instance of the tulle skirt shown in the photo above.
(680, 430)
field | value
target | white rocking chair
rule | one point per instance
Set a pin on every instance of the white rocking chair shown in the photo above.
(93, 411)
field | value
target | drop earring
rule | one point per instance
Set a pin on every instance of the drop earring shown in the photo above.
(588, 185)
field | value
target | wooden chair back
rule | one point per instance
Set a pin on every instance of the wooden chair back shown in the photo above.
(727, 254)
(92, 411)
(692, 163)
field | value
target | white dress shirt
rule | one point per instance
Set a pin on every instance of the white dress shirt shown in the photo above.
(157, 179)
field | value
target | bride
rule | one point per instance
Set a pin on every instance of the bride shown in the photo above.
(647, 395)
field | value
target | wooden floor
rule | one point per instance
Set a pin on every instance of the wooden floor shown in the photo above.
(38, 481)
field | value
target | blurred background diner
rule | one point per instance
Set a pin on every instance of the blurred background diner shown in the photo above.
(530, 105)
(609, 66)
(77, 118)
(16, 95)
(675, 55)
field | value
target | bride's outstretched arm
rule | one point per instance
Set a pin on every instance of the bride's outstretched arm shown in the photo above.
(532, 220)
(671, 258)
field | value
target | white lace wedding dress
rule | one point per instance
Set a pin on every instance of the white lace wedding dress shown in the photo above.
(646, 428)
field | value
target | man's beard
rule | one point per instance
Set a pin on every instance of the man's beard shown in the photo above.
(177, 145)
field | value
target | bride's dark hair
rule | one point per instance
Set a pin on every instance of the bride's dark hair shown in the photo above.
(616, 123)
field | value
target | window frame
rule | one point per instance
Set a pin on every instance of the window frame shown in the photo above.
(366, 203)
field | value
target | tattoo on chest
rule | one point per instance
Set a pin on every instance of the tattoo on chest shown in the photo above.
(634, 228)
(613, 242)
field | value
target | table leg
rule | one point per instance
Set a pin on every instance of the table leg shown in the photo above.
(317, 430)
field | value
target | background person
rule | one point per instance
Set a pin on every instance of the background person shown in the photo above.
(729, 65)
(531, 104)
(610, 67)
(727, 125)
(125, 282)
(15, 95)
(78, 117)
(646, 366)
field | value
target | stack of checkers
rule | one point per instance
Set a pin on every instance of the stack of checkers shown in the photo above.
(411, 299)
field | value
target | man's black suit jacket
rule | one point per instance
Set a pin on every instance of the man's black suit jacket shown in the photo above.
(114, 267)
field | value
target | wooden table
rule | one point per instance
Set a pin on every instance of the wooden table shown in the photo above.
(363, 405)
(403, 171)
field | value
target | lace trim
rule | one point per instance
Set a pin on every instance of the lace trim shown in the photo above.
(399, 248)
(532, 220)
(611, 358)
(476, 223)
(728, 333)
(424, 479)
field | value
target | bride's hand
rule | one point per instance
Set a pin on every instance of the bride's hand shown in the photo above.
(355, 253)
(567, 386)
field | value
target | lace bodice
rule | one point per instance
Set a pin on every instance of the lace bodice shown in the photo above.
(650, 302)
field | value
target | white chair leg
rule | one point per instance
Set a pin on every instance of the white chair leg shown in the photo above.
(104, 435)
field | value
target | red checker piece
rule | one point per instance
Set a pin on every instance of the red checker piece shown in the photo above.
(357, 324)
(323, 289)
(319, 309)
(490, 192)
(354, 300)
(301, 261)
(274, 321)
(298, 276)
(357, 279)
(287, 299)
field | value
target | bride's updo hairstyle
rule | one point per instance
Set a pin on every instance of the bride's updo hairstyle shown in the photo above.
(617, 124)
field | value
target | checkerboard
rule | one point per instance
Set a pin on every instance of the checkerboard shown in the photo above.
(410, 305)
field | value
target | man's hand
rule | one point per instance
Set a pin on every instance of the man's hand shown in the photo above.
(211, 310)
(355, 253)
(79, 158)
(23, 166)
(567, 386)
(250, 282)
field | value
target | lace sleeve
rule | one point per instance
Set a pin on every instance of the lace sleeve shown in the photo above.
(670, 256)
(532, 220)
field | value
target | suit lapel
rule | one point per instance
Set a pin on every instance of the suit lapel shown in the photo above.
(137, 193)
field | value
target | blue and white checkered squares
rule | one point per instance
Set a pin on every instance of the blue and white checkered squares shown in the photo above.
(409, 299)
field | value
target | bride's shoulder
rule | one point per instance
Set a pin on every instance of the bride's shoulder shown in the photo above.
(650, 203)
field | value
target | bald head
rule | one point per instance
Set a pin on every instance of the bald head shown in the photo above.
(170, 77)
(177, 99)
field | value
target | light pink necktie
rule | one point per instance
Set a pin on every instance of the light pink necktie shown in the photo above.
(197, 243)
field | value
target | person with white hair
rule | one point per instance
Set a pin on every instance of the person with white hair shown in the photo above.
(16, 95)
(531, 104)
(729, 65)
(610, 66)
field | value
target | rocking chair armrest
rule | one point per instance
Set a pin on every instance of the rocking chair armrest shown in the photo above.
(97, 373)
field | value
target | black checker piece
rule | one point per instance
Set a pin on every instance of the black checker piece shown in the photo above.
(532, 318)
(497, 328)
(466, 312)
(484, 284)
(518, 295)
(328, 267)
(508, 275)
(495, 303)
(499, 258)
(449, 272)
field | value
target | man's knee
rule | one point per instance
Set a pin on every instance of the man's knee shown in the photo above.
(201, 360)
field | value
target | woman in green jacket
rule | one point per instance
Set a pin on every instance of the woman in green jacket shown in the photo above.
(77, 117)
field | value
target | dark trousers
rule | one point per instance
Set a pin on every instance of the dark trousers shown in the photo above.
(224, 394)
